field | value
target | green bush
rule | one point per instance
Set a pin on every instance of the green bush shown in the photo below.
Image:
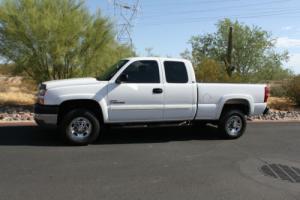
(57, 39)
(293, 89)
(210, 71)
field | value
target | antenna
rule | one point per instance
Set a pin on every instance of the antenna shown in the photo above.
(125, 14)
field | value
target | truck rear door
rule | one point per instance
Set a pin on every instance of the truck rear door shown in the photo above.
(180, 91)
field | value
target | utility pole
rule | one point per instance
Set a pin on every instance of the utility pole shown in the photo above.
(228, 60)
(125, 14)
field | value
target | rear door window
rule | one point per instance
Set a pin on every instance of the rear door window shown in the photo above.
(175, 72)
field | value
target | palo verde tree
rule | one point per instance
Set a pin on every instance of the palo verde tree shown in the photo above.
(55, 39)
(254, 57)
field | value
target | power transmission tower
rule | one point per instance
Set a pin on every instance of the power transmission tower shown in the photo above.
(125, 12)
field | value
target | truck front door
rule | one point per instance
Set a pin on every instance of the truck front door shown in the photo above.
(137, 95)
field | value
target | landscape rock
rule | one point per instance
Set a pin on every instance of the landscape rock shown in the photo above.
(278, 115)
(16, 113)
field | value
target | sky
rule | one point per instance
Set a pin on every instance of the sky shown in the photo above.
(166, 26)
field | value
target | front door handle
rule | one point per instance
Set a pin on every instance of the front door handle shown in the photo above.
(157, 91)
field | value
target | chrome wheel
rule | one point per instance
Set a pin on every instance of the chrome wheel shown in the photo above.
(234, 125)
(80, 129)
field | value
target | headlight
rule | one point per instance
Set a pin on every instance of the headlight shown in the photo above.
(41, 93)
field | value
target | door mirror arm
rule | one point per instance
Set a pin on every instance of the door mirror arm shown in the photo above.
(123, 78)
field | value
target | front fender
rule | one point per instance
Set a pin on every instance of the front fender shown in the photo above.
(95, 92)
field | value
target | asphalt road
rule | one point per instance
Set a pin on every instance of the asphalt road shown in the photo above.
(169, 163)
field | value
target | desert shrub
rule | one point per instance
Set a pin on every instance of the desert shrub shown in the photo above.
(293, 89)
(281, 103)
(211, 71)
(279, 90)
(7, 69)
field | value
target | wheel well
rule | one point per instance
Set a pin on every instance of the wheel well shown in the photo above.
(238, 104)
(91, 105)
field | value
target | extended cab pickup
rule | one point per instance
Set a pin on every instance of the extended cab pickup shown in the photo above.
(146, 91)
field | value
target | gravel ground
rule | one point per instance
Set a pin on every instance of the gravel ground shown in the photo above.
(25, 113)
(277, 116)
(16, 113)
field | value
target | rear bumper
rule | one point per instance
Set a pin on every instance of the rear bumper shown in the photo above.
(45, 115)
(260, 108)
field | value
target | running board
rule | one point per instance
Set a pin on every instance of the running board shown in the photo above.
(151, 125)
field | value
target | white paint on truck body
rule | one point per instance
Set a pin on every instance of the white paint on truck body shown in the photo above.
(136, 102)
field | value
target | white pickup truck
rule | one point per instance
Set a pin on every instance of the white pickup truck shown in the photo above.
(146, 91)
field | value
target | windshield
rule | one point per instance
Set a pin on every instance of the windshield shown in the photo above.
(111, 71)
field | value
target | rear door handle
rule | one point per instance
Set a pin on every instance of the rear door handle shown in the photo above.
(157, 91)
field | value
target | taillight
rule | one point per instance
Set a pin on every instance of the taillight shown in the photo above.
(267, 93)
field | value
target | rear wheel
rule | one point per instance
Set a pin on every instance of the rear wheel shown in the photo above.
(80, 127)
(232, 124)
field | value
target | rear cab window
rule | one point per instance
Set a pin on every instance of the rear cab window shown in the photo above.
(175, 72)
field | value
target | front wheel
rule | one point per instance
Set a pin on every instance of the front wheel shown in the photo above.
(80, 127)
(232, 124)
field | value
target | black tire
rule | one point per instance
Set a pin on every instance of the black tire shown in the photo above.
(80, 119)
(232, 124)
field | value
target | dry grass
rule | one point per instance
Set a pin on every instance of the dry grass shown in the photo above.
(16, 91)
(281, 103)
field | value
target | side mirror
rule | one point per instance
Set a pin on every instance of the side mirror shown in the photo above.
(122, 78)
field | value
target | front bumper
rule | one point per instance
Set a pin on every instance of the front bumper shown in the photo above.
(45, 115)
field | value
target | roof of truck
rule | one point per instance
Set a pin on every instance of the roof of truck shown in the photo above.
(157, 58)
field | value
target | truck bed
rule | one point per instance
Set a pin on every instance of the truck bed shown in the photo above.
(213, 96)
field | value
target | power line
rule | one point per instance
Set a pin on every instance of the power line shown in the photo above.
(174, 3)
(261, 12)
(217, 8)
(250, 15)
